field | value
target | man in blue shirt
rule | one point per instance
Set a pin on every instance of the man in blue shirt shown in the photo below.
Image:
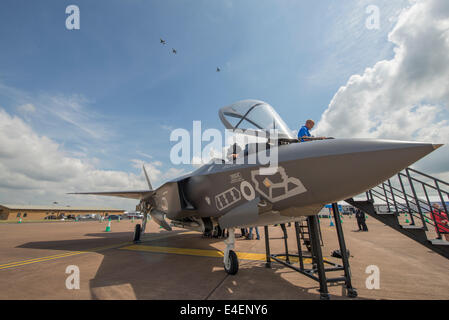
(304, 131)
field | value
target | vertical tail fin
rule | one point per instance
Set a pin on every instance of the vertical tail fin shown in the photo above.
(146, 176)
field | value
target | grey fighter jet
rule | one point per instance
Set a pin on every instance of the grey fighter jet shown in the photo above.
(242, 193)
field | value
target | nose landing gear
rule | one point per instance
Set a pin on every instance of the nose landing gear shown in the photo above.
(231, 262)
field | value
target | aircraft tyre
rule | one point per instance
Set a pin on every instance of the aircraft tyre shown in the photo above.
(233, 263)
(137, 231)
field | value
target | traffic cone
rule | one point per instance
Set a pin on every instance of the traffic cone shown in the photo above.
(332, 223)
(108, 227)
(406, 218)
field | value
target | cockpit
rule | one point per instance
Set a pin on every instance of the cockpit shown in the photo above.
(256, 118)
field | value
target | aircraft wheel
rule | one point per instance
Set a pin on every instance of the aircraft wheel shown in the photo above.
(233, 263)
(137, 231)
(218, 232)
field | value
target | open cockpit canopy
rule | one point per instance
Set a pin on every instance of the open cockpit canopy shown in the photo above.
(254, 117)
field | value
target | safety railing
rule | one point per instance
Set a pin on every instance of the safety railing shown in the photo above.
(415, 193)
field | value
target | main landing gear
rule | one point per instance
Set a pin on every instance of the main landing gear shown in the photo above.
(231, 262)
(137, 231)
(140, 229)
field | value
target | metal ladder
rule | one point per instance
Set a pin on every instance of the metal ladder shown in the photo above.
(304, 232)
(407, 198)
(319, 269)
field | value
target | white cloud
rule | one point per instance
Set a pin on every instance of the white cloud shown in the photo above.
(35, 169)
(406, 97)
(26, 108)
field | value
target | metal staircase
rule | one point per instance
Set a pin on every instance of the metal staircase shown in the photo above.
(407, 200)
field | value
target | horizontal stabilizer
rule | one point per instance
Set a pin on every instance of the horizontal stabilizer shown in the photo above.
(139, 194)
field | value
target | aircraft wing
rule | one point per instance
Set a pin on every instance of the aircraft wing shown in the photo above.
(139, 194)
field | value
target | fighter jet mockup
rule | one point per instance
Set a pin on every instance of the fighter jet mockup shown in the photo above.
(308, 175)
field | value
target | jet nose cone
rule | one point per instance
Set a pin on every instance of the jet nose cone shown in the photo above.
(343, 168)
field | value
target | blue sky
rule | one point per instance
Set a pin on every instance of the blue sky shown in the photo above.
(111, 92)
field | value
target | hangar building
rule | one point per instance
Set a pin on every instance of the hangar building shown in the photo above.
(36, 212)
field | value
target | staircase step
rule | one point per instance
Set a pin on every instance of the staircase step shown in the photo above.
(439, 242)
(413, 227)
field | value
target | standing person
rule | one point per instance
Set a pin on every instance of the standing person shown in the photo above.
(250, 235)
(244, 231)
(361, 220)
(441, 221)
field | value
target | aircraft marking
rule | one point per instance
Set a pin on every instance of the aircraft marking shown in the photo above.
(227, 198)
(282, 186)
(235, 177)
(245, 185)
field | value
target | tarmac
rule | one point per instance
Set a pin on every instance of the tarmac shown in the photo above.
(183, 265)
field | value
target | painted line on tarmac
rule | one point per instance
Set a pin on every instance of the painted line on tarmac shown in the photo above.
(74, 253)
(205, 253)
(59, 256)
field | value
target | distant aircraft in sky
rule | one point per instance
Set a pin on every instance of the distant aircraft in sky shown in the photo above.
(163, 41)
(218, 69)
(174, 51)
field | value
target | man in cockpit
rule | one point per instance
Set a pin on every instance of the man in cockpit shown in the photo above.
(233, 152)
